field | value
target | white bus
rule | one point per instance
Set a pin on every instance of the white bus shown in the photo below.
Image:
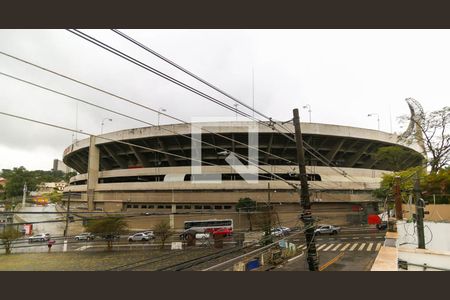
(208, 225)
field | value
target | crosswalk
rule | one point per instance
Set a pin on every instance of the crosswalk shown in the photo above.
(347, 246)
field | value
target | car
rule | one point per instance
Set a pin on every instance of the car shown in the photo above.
(140, 236)
(150, 234)
(330, 229)
(222, 231)
(39, 237)
(86, 236)
(285, 230)
(382, 226)
(277, 232)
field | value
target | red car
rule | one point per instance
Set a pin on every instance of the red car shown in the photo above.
(223, 231)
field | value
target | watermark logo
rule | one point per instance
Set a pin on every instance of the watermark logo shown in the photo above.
(245, 165)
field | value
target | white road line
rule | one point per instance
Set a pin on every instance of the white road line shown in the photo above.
(378, 247)
(362, 246)
(356, 238)
(328, 248)
(343, 238)
(369, 248)
(367, 237)
(354, 246)
(345, 247)
(301, 246)
(335, 248)
(321, 246)
(304, 247)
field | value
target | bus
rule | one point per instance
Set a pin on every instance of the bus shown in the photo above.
(208, 225)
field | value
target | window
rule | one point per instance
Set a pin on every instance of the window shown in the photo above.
(135, 206)
(227, 207)
(218, 207)
(169, 206)
(128, 205)
(206, 206)
(160, 206)
(151, 206)
(179, 206)
(197, 207)
(187, 207)
(144, 206)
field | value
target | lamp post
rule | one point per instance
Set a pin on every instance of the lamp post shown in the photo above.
(309, 111)
(103, 123)
(236, 106)
(159, 113)
(378, 118)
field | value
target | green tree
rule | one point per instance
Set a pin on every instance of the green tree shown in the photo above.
(108, 228)
(395, 157)
(434, 128)
(247, 205)
(9, 235)
(54, 196)
(406, 182)
(162, 232)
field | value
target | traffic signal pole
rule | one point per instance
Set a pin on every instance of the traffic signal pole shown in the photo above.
(306, 217)
(420, 205)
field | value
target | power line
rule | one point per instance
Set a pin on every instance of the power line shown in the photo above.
(187, 72)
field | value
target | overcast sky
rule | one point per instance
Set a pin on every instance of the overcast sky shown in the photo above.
(343, 74)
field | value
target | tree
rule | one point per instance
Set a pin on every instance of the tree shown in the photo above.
(9, 235)
(395, 157)
(249, 206)
(109, 228)
(54, 196)
(162, 231)
(434, 127)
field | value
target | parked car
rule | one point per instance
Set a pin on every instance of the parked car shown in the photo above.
(39, 237)
(86, 236)
(285, 230)
(277, 232)
(382, 226)
(324, 229)
(140, 236)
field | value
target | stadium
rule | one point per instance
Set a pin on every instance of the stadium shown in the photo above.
(149, 170)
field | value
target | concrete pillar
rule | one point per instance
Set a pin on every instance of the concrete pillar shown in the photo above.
(174, 210)
(93, 169)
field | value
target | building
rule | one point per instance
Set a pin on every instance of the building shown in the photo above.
(59, 165)
(126, 176)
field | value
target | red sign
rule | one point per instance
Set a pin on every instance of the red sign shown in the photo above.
(373, 219)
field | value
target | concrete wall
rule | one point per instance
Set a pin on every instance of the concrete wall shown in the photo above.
(418, 258)
(437, 235)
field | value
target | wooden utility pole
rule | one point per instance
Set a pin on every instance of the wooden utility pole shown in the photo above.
(306, 217)
(420, 204)
(398, 199)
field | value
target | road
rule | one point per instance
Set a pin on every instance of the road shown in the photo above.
(352, 251)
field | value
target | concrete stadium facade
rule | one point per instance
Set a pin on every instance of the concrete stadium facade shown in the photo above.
(119, 172)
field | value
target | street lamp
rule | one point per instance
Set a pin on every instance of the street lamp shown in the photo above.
(103, 123)
(309, 110)
(159, 113)
(378, 118)
(236, 106)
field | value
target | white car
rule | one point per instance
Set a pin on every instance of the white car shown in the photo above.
(150, 234)
(86, 236)
(138, 237)
(277, 232)
(39, 237)
(330, 229)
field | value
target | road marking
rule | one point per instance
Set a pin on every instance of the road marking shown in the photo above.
(323, 267)
(343, 238)
(356, 238)
(328, 248)
(367, 237)
(82, 248)
(321, 246)
(369, 247)
(345, 247)
(304, 247)
(335, 248)
(362, 246)
(378, 247)
(301, 246)
(354, 246)
(380, 237)
(319, 239)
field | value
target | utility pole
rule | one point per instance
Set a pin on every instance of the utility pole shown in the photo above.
(306, 216)
(419, 212)
(398, 199)
(67, 216)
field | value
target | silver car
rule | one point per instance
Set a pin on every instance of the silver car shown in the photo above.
(86, 236)
(138, 237)
(327, 229)
(39, 237)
